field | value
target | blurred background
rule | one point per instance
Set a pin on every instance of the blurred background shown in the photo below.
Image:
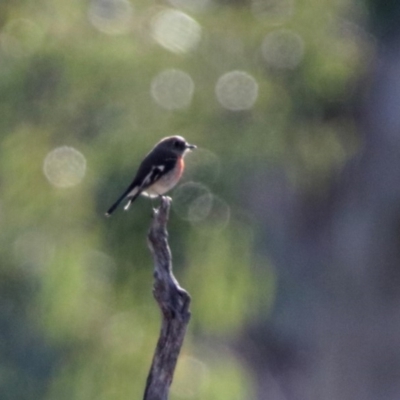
(285, 228)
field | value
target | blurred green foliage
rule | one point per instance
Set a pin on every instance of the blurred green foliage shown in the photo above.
(77, 318)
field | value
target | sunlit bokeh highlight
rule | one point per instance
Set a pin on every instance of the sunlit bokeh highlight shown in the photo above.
(200, 207)
(111, 16)
(172, 89)
(218, 216)
(64, 167)
(195, 203)
(283, 49)
(202, 166)
(176, 31)
(192, 201)
(236, 91)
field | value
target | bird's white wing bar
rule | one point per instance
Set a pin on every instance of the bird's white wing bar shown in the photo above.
(159, 168)
(153, 175)
(150, 178)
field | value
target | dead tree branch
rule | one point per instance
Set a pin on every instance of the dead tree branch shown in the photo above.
(174, 304)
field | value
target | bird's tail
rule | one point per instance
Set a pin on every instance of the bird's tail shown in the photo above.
(131, 199)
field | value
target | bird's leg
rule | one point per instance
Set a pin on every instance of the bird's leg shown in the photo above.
(154, 210)
(160, 196)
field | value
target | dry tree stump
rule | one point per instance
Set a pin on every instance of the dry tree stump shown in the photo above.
(174, 305)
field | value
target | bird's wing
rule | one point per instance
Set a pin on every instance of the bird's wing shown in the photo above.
(143, 180)
(156, 171)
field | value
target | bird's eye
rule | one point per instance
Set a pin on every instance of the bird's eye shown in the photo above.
(177, 144)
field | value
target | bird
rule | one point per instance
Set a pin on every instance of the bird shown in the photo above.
(159, 171)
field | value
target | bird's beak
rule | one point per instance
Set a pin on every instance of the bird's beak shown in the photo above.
(191, 146)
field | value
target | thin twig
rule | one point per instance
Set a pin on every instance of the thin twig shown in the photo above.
(174, 304)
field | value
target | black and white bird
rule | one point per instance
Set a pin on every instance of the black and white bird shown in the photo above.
(159, 172)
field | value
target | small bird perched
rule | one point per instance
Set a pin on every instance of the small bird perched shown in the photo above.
(159, 172)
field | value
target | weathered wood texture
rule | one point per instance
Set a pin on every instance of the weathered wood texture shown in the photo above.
(174, 304)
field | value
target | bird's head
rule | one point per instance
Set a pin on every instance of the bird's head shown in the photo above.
(176, 144)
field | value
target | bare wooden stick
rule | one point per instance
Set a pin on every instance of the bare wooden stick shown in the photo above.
(174, 304)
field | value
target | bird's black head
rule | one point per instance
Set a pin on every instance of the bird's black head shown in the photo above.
(177, 144)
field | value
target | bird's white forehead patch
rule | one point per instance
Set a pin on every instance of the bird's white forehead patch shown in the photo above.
(176, 137)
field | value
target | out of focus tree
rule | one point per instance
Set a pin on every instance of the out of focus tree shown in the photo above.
(334, 332)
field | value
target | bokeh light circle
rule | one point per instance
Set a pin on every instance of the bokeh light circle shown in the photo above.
(172, 89)
(111, 16)
(176, 31)
(195, 203)
(237, 91)
(192, 201)
(202, 165)
(218, 216)
(199, 209)
(282, 49)
(64, 167)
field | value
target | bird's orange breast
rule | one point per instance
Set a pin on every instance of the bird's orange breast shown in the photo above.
(167, 181)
